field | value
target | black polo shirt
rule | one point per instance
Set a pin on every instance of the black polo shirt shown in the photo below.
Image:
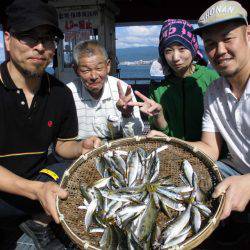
(26, 133)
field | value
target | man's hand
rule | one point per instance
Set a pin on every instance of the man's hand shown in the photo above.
(237, 191)
(154, 133)
(148, 106)
(89, 144)
(46, 194)
(124, 99)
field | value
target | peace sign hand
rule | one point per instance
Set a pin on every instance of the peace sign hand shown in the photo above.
(148, 106)
(124, 99)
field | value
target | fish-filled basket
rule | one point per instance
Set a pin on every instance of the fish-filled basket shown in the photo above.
(141, 193)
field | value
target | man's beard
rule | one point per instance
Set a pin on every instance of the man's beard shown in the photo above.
(29, 74)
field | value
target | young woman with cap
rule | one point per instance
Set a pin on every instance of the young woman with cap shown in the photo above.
(175, 105)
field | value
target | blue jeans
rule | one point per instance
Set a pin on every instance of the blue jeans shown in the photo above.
(226, 170)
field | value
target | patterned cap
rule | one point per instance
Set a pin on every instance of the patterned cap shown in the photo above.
(180, 31)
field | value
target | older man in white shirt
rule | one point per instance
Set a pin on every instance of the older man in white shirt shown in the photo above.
(101, 100)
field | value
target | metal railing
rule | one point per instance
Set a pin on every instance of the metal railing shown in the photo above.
(135, 80)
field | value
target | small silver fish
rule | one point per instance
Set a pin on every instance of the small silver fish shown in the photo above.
(169, 193)
(132, 167)
(189, 173)
(193, 180)
(90, 212)
(171, 203)
(180, 189)
(177, 225)
(174, 242)
(205, 211)
(101, 183)
(147, 221)
(196, 219)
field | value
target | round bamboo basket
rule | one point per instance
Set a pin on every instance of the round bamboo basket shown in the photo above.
(83, 169)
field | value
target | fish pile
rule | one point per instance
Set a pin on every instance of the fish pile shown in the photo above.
(125, 203)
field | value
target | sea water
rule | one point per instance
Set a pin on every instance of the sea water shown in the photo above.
(136, 62)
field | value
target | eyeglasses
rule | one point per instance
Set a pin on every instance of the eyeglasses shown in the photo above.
(32, 40)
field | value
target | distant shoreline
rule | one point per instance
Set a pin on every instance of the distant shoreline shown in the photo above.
(139, 62)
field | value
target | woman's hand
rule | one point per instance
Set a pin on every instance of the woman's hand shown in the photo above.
(148, 106)
(156, 133)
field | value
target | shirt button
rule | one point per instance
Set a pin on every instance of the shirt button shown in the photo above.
(22, 102)
(18, 91)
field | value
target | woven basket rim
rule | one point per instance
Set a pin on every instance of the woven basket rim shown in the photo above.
(188, 244)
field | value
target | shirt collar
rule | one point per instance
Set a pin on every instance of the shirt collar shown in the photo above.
(6, 78)
(106, 91)
(85, 95)
(198, 72)
(228, 88)
(45, 83)
(247, 90)
(9, 84)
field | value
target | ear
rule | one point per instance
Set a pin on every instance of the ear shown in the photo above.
(108, 65)
(7, 38)
(248, 33)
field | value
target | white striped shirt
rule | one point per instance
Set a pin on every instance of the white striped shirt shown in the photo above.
(93, 114)
(230, 117)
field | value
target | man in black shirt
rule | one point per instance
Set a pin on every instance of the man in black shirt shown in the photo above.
(35, 110)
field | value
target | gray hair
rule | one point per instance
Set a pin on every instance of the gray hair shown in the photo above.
(87, 49)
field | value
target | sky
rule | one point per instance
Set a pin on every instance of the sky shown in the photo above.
(126, 37)
(137, 36)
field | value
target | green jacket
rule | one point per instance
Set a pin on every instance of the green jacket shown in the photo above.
(182, 102)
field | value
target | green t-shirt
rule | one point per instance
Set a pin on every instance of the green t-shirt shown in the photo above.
(182, 102)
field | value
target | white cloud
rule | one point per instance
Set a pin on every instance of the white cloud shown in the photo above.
(142, 31)
(137, 36)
